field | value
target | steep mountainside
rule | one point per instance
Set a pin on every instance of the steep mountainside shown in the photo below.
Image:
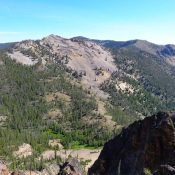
(144, 147)
(150, 77)
(89, 61)
(137, 76)
(145, 77)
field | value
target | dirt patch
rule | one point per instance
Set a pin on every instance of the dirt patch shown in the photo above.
(106, 120)
(32, 173)
(58, 95)
(54, 114)
(23, 59)
(109, 123)
(24, 150)
(56, 143)
(82, 154)
(125, 87)
(101, 107)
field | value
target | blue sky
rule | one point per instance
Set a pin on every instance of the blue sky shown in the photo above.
(152, 20)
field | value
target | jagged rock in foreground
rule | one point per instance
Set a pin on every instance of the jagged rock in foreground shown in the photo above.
(147, 144)
(71, 167)
(165, 170)
(52, 169)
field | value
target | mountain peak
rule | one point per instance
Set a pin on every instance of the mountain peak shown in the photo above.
(81, 38)
(52, 36)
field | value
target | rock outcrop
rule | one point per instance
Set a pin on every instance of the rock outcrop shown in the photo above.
(88, 61)
(3, 169)
(147, 144)
(71, 167)
(24, 150)
(52, 169)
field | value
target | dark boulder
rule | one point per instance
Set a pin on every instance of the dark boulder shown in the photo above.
(145, 144)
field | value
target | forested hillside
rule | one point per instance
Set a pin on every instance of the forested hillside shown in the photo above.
(36, 106)
(144, 83)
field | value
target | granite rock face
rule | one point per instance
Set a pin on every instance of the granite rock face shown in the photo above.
(147, 144)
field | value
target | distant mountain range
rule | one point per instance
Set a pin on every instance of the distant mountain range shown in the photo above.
(155, 49)
(6, 45)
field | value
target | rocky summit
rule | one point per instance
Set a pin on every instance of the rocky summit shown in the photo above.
(145, 147)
